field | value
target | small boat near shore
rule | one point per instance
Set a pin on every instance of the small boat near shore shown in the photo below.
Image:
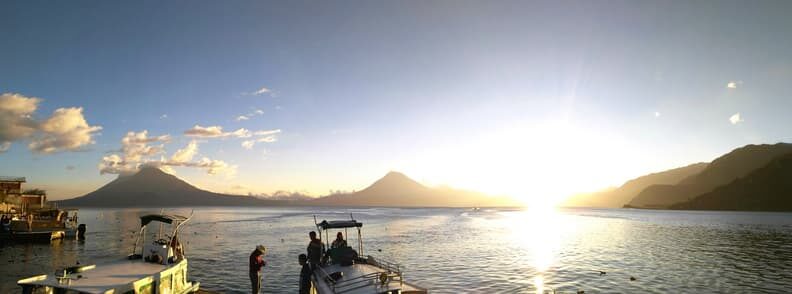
(363, 275)
(159, 267)
(43, 225)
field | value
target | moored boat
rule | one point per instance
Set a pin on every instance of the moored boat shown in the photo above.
(356, 273)
(159, 267)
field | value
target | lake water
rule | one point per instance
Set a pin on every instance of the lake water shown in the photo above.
(460, 251)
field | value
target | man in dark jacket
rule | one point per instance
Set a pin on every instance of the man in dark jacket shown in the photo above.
(256, 263)
(316, 250)
(305, 274)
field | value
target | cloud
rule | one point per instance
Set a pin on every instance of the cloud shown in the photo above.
(65, 130)
(733, 84)
(70, 167)
(657, 114)
(262, 91)
(736, 118)
(263, 136)
(248, 116)
(248, 144)
(164, 116)
(136, 153)
(136, 145)
(187, 153)
(215, 132)
(266, 132)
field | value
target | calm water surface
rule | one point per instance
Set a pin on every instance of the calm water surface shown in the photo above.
(459, 251)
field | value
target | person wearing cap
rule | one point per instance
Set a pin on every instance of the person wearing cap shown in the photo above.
(256, 263)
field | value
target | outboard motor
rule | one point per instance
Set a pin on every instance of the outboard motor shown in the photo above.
(81, 232)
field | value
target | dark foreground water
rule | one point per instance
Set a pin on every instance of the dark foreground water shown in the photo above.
(459, 251)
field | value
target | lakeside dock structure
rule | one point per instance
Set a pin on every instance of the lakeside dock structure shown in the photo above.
(31, 217)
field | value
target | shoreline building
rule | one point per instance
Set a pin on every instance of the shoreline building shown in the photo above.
(12, 197)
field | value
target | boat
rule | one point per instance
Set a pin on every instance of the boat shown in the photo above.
(45, 225)
(159, 266)
(360, 274)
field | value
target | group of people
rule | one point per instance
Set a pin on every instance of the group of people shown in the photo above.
(315, 255)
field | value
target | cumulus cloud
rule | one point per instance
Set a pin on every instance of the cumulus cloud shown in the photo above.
(736, 118)
(65, 130)
(140, 154)
(136, 145)
(242, 117)
(187, 153)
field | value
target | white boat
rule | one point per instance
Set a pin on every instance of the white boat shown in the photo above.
(360, 274)
(160, 267)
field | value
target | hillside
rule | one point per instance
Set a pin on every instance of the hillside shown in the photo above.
(618, 197)
(766, 189)
(396, 189)
(723, 170)
(151, 187)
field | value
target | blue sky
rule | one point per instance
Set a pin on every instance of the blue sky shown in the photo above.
(522, 98)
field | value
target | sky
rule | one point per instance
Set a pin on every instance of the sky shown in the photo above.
(531, 99)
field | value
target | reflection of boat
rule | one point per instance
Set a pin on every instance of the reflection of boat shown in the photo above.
(160, 267)
(361, 276)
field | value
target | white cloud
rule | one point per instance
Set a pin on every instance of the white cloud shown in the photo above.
(164, 116)
(215, 132)
(259, 111)
(736, 118)
(262, 91)
(248, 144)
(65, 130)
(136, 145)
(187, 153)
(136, 153)
(657, 114)
(266, 132)
(733, 84)
(242, 117)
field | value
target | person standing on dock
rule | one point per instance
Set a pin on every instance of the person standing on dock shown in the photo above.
(256, 263)
(316, 250)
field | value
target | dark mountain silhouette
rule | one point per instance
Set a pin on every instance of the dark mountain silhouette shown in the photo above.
(396, 189)
(723, 170)
(151, 187)
(618, 197)
(766, 189)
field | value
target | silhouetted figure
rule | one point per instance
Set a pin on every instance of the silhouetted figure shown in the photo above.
(339, 242)
(316, 250)
(305, 274)
(256, 263)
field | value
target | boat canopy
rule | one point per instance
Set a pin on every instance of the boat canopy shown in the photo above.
(168, 219)
(339, 224)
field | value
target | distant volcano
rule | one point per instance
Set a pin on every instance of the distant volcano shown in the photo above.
(396, 189)
(151, 187)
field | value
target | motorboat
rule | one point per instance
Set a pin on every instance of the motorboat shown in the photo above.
(45, 225)
(356, 273)
(160, 266)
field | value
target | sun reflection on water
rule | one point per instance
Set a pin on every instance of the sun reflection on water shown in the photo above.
(538, 234)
